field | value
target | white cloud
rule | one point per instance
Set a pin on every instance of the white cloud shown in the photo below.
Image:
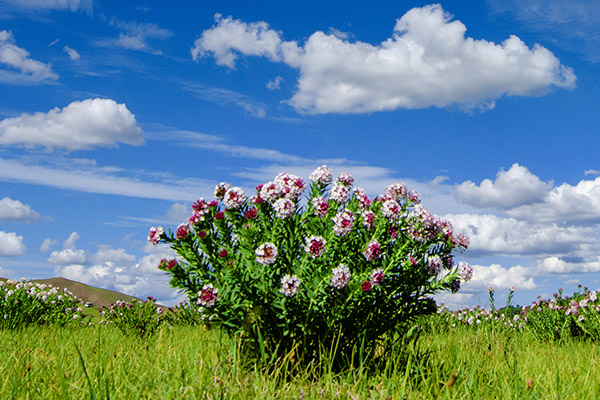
(101, 181)
(500, 278)
(116, 270)
(225, 97)
(69, 242)
(565, 204)
(592, 172)
(73, 54)
(275, 84)
(428, 61)
(572, 25)
(82, 125)
(47, 244)
(512, 188)
(14, 210)
(16, 58)
(556, 265)
(67, 256)
(11, 245)
(71, 5)
(490, 234)
(136, 35)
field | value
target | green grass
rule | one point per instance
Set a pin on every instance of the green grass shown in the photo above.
(195, 363)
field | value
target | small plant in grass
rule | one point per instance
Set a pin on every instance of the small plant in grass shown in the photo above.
(337, 273)
(137, 317)
(25, 303)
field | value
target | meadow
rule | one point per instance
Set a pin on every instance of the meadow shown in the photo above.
(194, 362)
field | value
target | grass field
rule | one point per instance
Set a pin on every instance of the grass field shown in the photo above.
(194, 363)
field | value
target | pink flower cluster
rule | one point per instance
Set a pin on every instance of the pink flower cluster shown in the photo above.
(434, 264)
(208, 296)
(314, 245)
(339, 193)
(167, 264)
(465, 271)
(183, 231)
(291, 186)
(372, 251)
(377, 276)
(396, 191)
(363, 200)
(321, 206)
(155, 234)
(221, 189)
(322, 175)
(342, 222)
(284, 208)
(289, 285)
(200, 209)
(266, 253)
(234, 198)
(391, 209)
(341, 277)
(345, 179)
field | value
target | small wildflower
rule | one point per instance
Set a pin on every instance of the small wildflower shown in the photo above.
(341, 276)
(266, 253)
(221, 189)
(155, 234)
(234, 198)
(208, 296)
(342, 222)
(289, 285)
(345, 179)
(377, 276)
(314, 245)
(372, 251)
(365, 286)
(321, 206)
(183, 231)
(322, 175)
(284, 208)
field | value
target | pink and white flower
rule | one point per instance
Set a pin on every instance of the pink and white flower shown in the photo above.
(292, 186)
(396, 190)
(373, 250)
(368, 218)
(270, 191)
(391, 209)
(284, 208)
(234, 198)
(208, 296)
(289, 285)
(183, 231)
(345, 179)
(414, 197)
(314, 245)
(339, 193)
(321, 206)
(377, 276)
(155, 234)
(465, 271)
(342, 222)
(322, 175)
(434, 264)
(266, 253)
(221, 189)
(341, 277)
(463, 240)
(363, 200)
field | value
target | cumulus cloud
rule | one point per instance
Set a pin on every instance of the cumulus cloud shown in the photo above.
(512, 188)
(275, 84)
(490, 234)
(556, 265)
(67, 256)
(11, 245)
(116, 270)
(14, 210)
(427, 62)
(82, 125)
(16, 65)
(500, 278)
(73, 54)
(565, 204)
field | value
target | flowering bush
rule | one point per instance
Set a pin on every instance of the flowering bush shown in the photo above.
(335, 273)
(26, 303)
(141, 318)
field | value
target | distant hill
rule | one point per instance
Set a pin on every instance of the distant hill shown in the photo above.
(98, 297)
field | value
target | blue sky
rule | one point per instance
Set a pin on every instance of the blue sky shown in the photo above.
(115, 116)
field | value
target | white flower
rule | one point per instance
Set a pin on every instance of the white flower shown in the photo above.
(284, 208)
(266, 253)
(289, 285)
(322, 175)
(343, 222)
(339, 193)
(341, 277)
(234, 198)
